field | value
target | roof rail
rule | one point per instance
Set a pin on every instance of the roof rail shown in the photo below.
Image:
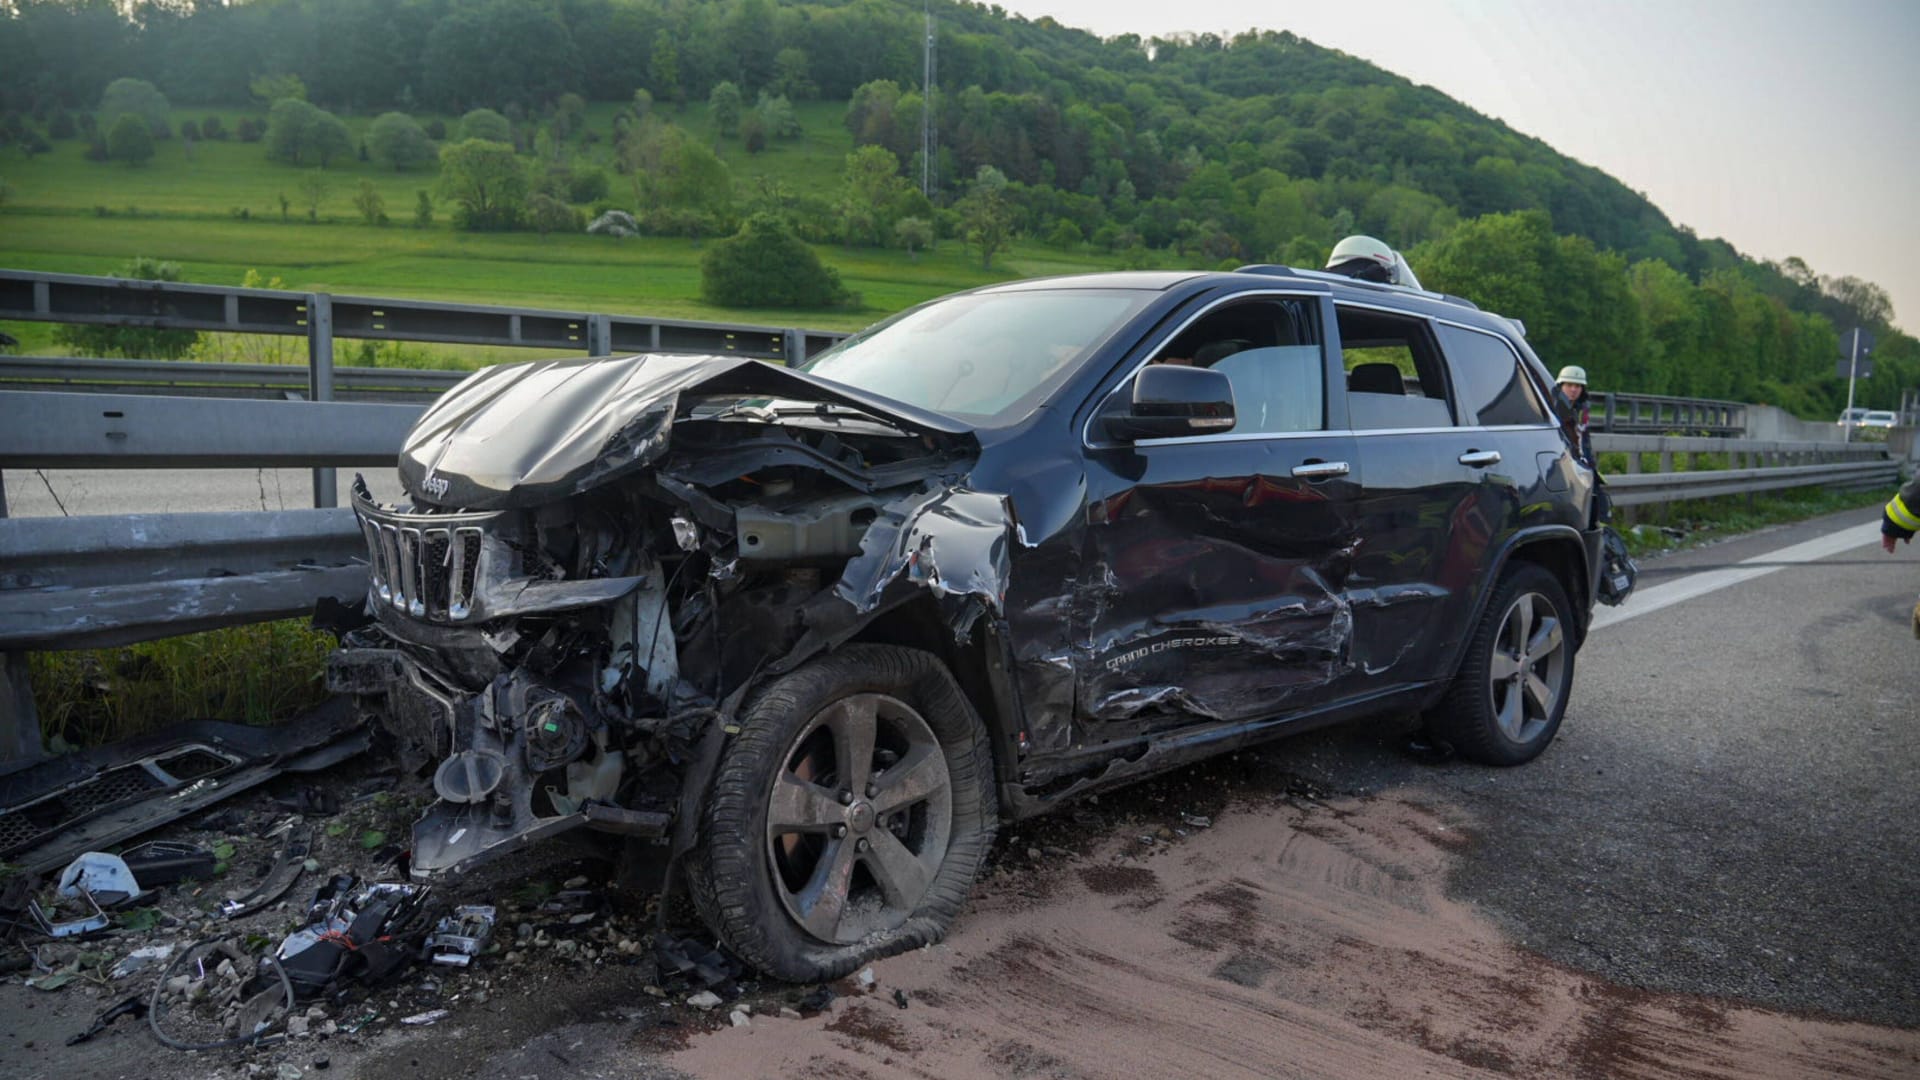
(1277, 270)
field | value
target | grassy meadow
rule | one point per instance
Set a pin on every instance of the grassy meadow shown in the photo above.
(215, 209)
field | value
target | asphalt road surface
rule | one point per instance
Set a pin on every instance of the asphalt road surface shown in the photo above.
(1712, 872)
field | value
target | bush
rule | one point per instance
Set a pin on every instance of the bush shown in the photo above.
(548, 214)
(249, 130)
(87, 124)
(486, 124)
(400, 143)
(488, 181)
(141, 98)
(212, 128)
(766, 265)
(423, 211)
(367, 200)
(587, 185)
(436, 129)
(299, 133)
(190, 130)
(133, 342)
(130, 139)
(678, 221)
(97, 149)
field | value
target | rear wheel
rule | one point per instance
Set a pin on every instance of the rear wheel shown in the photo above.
(1510, 694)
(849, 815)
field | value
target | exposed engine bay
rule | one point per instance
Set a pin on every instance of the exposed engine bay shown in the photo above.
(600, 559)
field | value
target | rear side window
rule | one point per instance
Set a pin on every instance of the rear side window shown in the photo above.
(1396, 379)
(1493, 391)
(1269, 349)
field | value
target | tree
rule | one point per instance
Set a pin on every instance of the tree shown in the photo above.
(776, 113)
(367, 200)
(549, 214)
(766, 265)
(664, 76)
(569, 115)
(299, 134)
(130, 139)
(486, 124)
(397, 141)
(141, 98)
(267, 89)
(423, 211)
(915, 234)
(792, 75)
(488, 181)
(134, 343)
(871, 189)
(725, 104)
(315, 187)
(985, 215)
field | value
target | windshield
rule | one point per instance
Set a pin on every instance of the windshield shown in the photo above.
(980, 356)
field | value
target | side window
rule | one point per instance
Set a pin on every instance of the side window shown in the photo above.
(1492, 387)
(1395, 377)
(1269, 349)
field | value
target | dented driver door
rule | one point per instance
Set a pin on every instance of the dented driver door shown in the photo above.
(1216, 566)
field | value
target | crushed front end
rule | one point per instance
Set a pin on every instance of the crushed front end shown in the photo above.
(565, 610)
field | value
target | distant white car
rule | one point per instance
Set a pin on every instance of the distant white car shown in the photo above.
(1879, 418)
(1853, 417)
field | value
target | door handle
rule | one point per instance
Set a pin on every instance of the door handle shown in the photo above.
(1480, 459)
(1320, 470)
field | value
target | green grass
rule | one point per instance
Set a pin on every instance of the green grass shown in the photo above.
(244, 674)
(1705, 521)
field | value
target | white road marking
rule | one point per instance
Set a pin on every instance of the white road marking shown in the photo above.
(1697, 585)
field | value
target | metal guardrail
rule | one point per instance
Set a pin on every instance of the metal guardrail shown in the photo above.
(1750, 466)
(1621, 413)
(186, 378)
(321, 317)
(132, 431)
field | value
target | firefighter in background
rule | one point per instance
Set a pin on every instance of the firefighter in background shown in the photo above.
(1579, 424)
(1898, 522)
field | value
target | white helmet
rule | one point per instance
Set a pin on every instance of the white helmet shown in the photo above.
(1364, 249)
(1574, 374)
(1366, 259)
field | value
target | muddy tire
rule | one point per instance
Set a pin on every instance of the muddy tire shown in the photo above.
(1508, 698)
(849, 816)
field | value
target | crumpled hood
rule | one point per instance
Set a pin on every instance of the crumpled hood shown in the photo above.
(523, 434)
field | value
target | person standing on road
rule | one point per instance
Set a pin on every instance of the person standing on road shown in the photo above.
(1573, 384)
(1898, 522)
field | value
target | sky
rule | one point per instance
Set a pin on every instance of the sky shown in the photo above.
(1786, 128)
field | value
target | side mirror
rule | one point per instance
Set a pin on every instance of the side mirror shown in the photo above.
(1171, 400)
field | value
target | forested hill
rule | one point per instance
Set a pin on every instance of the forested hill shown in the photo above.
(1258, 147)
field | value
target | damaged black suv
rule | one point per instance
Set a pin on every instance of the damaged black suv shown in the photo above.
(802, 638)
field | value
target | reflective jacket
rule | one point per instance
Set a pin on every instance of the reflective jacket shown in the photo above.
(1899, 519)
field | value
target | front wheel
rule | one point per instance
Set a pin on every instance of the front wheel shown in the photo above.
(849, 816)
(1509, 696)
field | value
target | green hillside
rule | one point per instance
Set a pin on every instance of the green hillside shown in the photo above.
(1056, 151)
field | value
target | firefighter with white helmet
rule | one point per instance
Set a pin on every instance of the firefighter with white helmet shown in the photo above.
(1573, 386)
(1365, 259)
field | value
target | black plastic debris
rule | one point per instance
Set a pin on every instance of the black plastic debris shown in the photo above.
(135, 1005)
(900, 999)
(364, 933)
(691, 960)
(164, 862)
(818, 999)
(296, 842)
(311, 800)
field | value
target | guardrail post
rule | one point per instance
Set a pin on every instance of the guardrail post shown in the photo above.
(320, 382)
(599, 336)
(793, 348)
(19, 720)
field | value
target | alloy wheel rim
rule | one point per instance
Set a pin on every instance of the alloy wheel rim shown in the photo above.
(859, 818)
(1528, 667)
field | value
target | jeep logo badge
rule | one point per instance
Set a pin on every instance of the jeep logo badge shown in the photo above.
(435, 486)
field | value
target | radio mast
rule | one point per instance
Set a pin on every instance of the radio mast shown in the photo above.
(926, 109)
